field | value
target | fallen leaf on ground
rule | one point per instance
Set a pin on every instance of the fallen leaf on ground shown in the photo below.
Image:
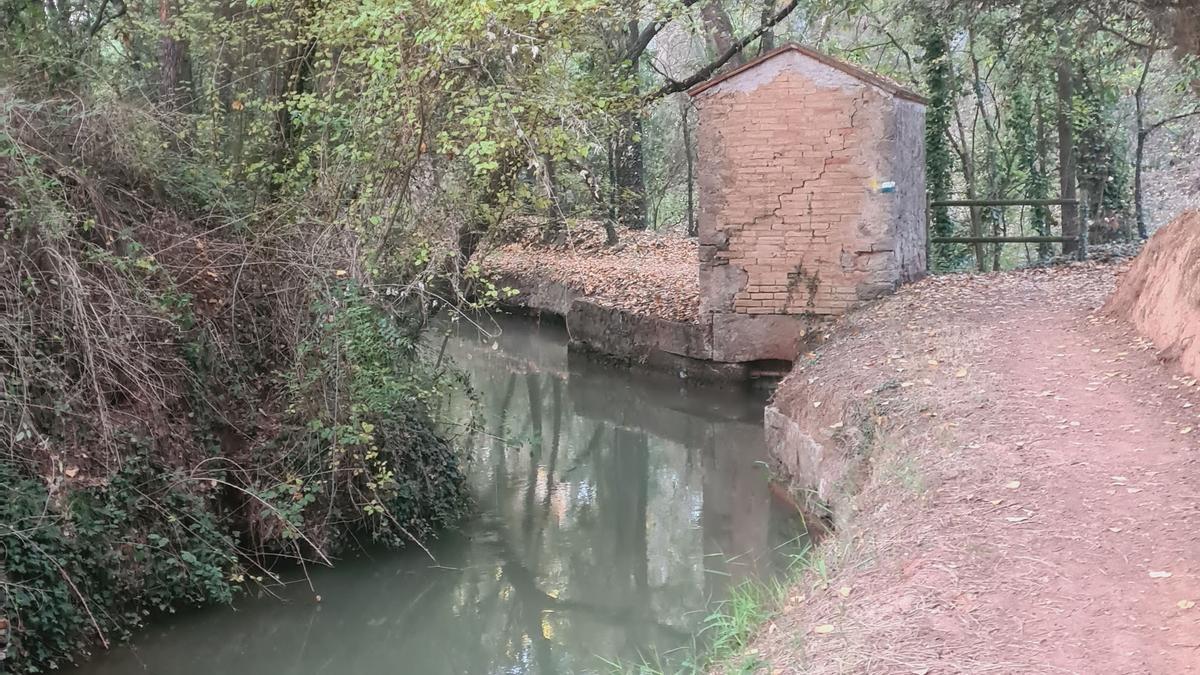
(1013, 484)
(1185, 604)
(824, 629)
(962, 372)
(844, 591)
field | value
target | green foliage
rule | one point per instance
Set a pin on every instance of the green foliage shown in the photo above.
(1103, 151)
(97, 561)
(364, 453)
(939, 81)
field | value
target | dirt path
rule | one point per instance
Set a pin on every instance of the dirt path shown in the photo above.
(1034, 505)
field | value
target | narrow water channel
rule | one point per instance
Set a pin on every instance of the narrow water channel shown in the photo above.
(613, 512)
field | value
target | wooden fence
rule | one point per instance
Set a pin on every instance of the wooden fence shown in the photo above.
(1070, 209)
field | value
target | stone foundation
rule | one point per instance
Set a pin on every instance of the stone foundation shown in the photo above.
(720, 348)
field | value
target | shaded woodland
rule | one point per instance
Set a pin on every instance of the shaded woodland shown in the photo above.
(227, 222)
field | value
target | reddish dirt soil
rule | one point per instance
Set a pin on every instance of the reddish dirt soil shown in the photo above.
(647, 273)
(1032, 497)
(1161, 293)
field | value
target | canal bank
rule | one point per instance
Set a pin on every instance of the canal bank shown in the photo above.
(1011, 474)
(614, 512)
(638, 304)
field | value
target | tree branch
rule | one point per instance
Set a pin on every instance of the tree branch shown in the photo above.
(707, 71)
(650, 31)
(102, 21)
(1168, 120)
(1104, 27)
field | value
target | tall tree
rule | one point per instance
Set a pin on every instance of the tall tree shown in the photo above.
(718, 31)
(1065, 93)
(174, 62)
(938, 160)
(767, 42)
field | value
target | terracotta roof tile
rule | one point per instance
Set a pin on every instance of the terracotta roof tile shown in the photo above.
(854, 71)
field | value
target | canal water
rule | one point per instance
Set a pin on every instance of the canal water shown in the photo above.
(613, 512)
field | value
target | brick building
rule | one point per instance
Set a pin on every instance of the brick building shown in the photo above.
(812, 197)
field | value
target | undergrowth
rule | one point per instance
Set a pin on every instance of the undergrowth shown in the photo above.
(190, 393)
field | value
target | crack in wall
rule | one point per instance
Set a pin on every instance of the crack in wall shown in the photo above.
(732, 238)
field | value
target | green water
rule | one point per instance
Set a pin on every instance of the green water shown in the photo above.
(613, 512)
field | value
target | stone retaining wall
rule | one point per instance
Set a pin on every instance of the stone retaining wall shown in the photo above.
(716, 349)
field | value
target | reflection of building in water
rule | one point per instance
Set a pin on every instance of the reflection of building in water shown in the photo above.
(596, 506)
(627, 516)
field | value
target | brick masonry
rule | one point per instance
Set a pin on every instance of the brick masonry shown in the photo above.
(793, 154)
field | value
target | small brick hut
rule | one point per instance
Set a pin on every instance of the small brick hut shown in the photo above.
(812, 197)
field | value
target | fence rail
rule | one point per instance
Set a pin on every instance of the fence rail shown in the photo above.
(978, 241)
(1002, 240)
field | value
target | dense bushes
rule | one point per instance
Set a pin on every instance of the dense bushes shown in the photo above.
(90, 563)
(189, 391)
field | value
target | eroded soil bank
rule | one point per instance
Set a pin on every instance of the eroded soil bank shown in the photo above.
(1013, 475)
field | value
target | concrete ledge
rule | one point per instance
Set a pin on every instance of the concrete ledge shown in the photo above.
(621, 333)
(538, 295)
(722, 348)
(738, 338)
(685, 368)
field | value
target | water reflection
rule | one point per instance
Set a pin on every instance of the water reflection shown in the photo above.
(613, 510)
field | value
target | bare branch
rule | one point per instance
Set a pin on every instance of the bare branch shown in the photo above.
(102, 20)
(1168, 120)
(707, 71)
(649, 32)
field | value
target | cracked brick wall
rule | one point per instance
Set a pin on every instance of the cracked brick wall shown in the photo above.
(794, 219)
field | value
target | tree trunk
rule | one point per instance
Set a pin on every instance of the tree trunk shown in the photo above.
(691, 171)
(175, 66)
(1064, 88)
(1041, 214)
(719, 31)
(997, 248)
(767, 42)
(629, 176)
(1139, 103)
(490, 209)
(938, 79)
(1139, 206)
(627, 165)
(610, 219)
(976, 217)
(555, 219)
(291, 79)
